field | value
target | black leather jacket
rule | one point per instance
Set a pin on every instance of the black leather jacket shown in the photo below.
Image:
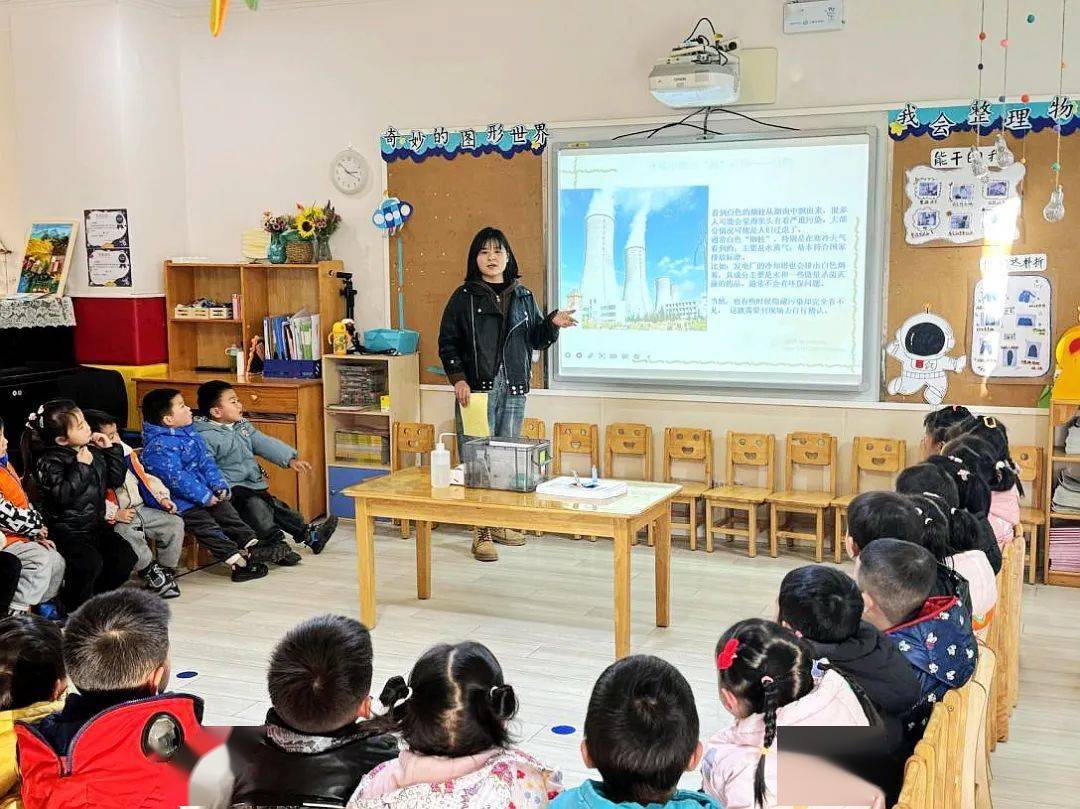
(73, 493)
(473, 340)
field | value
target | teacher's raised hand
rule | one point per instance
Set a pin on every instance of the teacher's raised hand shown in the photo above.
(564, 318)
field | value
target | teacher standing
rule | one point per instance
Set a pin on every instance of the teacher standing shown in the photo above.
(490, 327)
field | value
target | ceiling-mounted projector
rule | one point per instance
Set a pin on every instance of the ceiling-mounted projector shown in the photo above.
(697, 73)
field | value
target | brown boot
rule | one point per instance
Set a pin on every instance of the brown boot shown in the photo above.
(483, 549)
(507, 536)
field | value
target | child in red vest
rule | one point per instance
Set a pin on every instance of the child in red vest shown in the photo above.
(119, 742)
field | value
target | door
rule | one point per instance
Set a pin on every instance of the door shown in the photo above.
(283, 483)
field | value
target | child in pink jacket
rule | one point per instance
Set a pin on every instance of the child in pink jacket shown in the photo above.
(767, 680)
(453, 715)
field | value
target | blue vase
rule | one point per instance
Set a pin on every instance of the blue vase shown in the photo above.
(276, 251)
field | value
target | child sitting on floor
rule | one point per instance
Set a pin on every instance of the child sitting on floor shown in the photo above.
(453, 714)
(311, 751)
(69, 469)
(933, 632)
(120, 740)
(766, 680)
(141, 510)
(23, 536)
(641, 733)
(174, 452)
(235, 442)
(32, 684)
(824, 607)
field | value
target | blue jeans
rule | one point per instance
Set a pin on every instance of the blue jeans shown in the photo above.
(506, 412)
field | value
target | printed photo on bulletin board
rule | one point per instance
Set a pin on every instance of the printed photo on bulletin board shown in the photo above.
(47, 258)
(108, 247)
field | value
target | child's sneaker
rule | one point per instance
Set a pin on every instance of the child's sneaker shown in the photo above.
(156, 579)
(319, 535)
(273, 551)
(252, 570)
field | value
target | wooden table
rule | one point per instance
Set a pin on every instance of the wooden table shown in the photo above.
(408, 495)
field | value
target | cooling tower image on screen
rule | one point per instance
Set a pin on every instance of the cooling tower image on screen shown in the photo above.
(634, 258)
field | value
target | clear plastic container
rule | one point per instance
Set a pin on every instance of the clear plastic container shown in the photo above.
(511, 464)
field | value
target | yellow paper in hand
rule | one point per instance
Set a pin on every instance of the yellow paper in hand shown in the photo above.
(474, 416)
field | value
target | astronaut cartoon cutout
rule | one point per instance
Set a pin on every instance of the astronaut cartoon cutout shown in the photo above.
(921, 347)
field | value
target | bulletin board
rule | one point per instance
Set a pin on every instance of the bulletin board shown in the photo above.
(452, 200)
(944, 277)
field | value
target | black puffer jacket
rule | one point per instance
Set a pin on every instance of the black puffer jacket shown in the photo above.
(473, 340)
(276, 765)
(72, 494)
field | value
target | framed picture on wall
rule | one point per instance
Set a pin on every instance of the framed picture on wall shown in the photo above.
(49, 245)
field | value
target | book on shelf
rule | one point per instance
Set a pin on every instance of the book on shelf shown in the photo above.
(292, 337)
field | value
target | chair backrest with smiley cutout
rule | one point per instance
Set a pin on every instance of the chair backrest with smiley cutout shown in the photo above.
(752, 452)
(627, 439)
(575, 438)
(814, 450)
(413, 438)
(688, 446)
(872, 458)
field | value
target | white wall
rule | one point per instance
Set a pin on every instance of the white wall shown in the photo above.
(97, 123)
(12, 227)
(268, 104)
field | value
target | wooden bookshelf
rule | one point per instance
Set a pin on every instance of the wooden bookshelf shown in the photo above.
(197, 344)
(1062, 411)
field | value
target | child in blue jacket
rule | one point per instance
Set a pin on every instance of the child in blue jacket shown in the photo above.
(236, 445)
(175, 453)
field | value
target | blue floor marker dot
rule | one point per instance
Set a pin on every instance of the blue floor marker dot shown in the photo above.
(562, 730)
(186, 675)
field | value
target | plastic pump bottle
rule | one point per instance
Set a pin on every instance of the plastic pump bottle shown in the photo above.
(440, 465)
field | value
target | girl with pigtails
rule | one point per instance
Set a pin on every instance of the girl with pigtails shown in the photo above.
(769, 679)
(453, 714)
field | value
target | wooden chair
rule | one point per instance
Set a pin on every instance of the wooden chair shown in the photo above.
(818, 451)
(693, 445)
(975, 781)
(629, 440)
(868, 455)
(410, 438)
(574, 438)
(1033, 516)
(534, 429)
(755, 451)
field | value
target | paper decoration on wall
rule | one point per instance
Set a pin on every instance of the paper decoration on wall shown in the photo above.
(391, 215)
(1017, 118)
(1012, 262)
(218, 10)
(954, 205)
(418, 145)
(1010, 326)
(921, 347)
(108, 247)
(47, 258)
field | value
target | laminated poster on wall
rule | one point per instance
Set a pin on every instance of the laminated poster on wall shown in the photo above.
(923, 347)
(108, 247)
(953, 205)
(1010, 326)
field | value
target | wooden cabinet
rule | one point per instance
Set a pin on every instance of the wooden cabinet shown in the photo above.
(289, 409)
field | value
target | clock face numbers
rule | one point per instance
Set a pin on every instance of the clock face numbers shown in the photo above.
(349, 173)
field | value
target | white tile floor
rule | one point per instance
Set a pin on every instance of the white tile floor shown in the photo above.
(546, 612)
